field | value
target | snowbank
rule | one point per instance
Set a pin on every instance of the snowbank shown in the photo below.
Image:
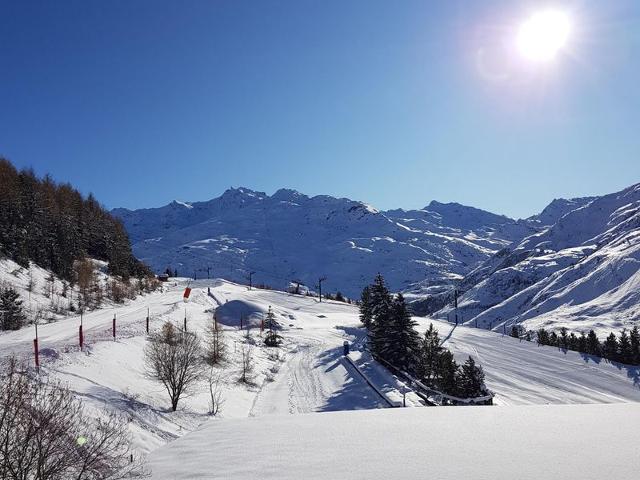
(540, 442)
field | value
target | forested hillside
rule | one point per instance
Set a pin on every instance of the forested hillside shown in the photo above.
(53, 225)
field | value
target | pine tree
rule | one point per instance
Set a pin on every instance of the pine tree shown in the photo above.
(270, 319)
(515, 331)
(446, 371)
(381, 318)
(554, 340)
(365, 307)
(593, 344)
(563, 340)
(610, 348)
(430, 351)
(582, 342)
(625, 352)
(12, 316)
(272, 338)
(215, 345)
(404, 341)
(634, 338)
(470, 380)
(573, 342)
(543, 337)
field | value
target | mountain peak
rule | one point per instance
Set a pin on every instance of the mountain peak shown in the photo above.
(288, 195)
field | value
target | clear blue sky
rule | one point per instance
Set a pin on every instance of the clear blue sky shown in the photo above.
(392, 103)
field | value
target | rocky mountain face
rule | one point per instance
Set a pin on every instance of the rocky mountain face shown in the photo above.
(582, 272)
(290, 236)
(575, 264)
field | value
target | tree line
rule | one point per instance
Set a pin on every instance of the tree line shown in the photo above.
(392, 337)
(624, 349)
(53, 225)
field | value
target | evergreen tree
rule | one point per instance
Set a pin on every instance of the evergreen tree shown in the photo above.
(12, 316)
(573, 342)
(610, 348)
(625, 353)
(470, 380)
(593, 344)
(563, 340)
(366, 314)
(543, 337)
(446, 378)
(430, 351)
(515, 331)
(381, 318)
(634, 338)
(339, 297)
(582, 343)
(554, 340)
(404, 341)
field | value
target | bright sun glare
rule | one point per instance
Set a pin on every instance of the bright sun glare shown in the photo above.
(543, 35)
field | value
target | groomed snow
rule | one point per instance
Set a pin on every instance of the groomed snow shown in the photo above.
(445, 443)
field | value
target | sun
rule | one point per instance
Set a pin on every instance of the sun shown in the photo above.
(543, 35)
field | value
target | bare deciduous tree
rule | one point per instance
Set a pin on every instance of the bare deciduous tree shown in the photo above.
(247, 364)
(175, 359)
(215, 391)
(45, 433)
(216, 347)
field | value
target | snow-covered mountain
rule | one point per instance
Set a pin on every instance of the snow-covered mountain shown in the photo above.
(289, 235)
(582, 272)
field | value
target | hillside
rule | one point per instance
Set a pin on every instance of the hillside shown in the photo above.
(581, 273)
(54, 225)
(289, 235)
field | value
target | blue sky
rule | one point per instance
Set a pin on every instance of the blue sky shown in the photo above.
(392, 103)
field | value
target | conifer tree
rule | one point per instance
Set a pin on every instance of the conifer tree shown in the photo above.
(625, 353)
(430, 351)
(573, 342)
(446, 378)
(634, 338)
(515, 331)
(582, 342)
(366, 314)
(404, 341)
(593, 344)
(563, 340)
(470, 379)
(381, 318)
(12, 316)
(610, 347)
(543, 337)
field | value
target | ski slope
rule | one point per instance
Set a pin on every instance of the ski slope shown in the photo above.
(522, 373)
(308, 374)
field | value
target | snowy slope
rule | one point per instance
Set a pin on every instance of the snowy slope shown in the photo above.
(289, 236)
(580, 273)
(309, 373)
(525, 443)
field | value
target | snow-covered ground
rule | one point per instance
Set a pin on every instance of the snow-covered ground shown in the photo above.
(450, 443)
(521, 372)
(309, 373)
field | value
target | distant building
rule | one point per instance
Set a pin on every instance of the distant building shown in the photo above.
(163, 277)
